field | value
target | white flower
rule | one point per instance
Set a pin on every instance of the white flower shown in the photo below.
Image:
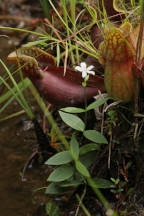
(84, 69)
(109, 212)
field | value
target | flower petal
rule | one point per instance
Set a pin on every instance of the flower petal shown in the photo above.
(84, 74)
(83, 65)
(91, 72)
(78, 68)
(90, 67)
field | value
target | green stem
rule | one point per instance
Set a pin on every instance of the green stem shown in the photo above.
(98, 193)
(73, 20)
(87, 213)
(20, 97)
(65, 15)
(85, 103)
(49, 116)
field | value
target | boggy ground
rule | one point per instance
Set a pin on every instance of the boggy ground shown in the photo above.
(17, 141)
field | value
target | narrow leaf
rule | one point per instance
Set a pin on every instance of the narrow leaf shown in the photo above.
(97, 103)
(73, 110)
(82, 169)
(74, 147)
(58, 55)
(35, 43)
(52, 209)
(102, 183)
(72, 183)
(73, 121)
(22, 86)
(60, 158)
(88, 147)
(61, 173)
(76, 180)
(53, 189)
(95, 136)
(88, 159)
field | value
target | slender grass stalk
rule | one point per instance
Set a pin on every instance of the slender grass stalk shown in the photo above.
(46, 8)
(92, 184)
(93, 52)
(65, 14)
(12, 91)
(13, 115)
(23, 30)
(69, 31)
(80, 199)
(15, 92)
(7, 104)
(91, 10)
(60, 17)
(66, 24)
(72, 10)
(16, 96)
(78, 37)
(21, 98)
(104, 11)
(83, 42)
(133, 3)
(58, 55)
(73, 20)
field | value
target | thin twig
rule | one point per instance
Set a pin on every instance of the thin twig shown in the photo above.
(54, 30)
(109, 154)
(66, 57)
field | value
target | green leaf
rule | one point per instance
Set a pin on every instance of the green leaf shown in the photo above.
(97, 103)
(58, 55)
(102, 183)
(74, 148)
(35, 43)
(52, 209)
(82, 169)
(73, 183)
(95, 136)
(76, 180)
(88, 147)
(88, 159)
(73, 121)
(61, 173)
(53, 189)
(60, 158)
(73, 110)
(21, 85)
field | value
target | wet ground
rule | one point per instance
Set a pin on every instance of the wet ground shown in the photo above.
(17, 135)
(17, 142)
